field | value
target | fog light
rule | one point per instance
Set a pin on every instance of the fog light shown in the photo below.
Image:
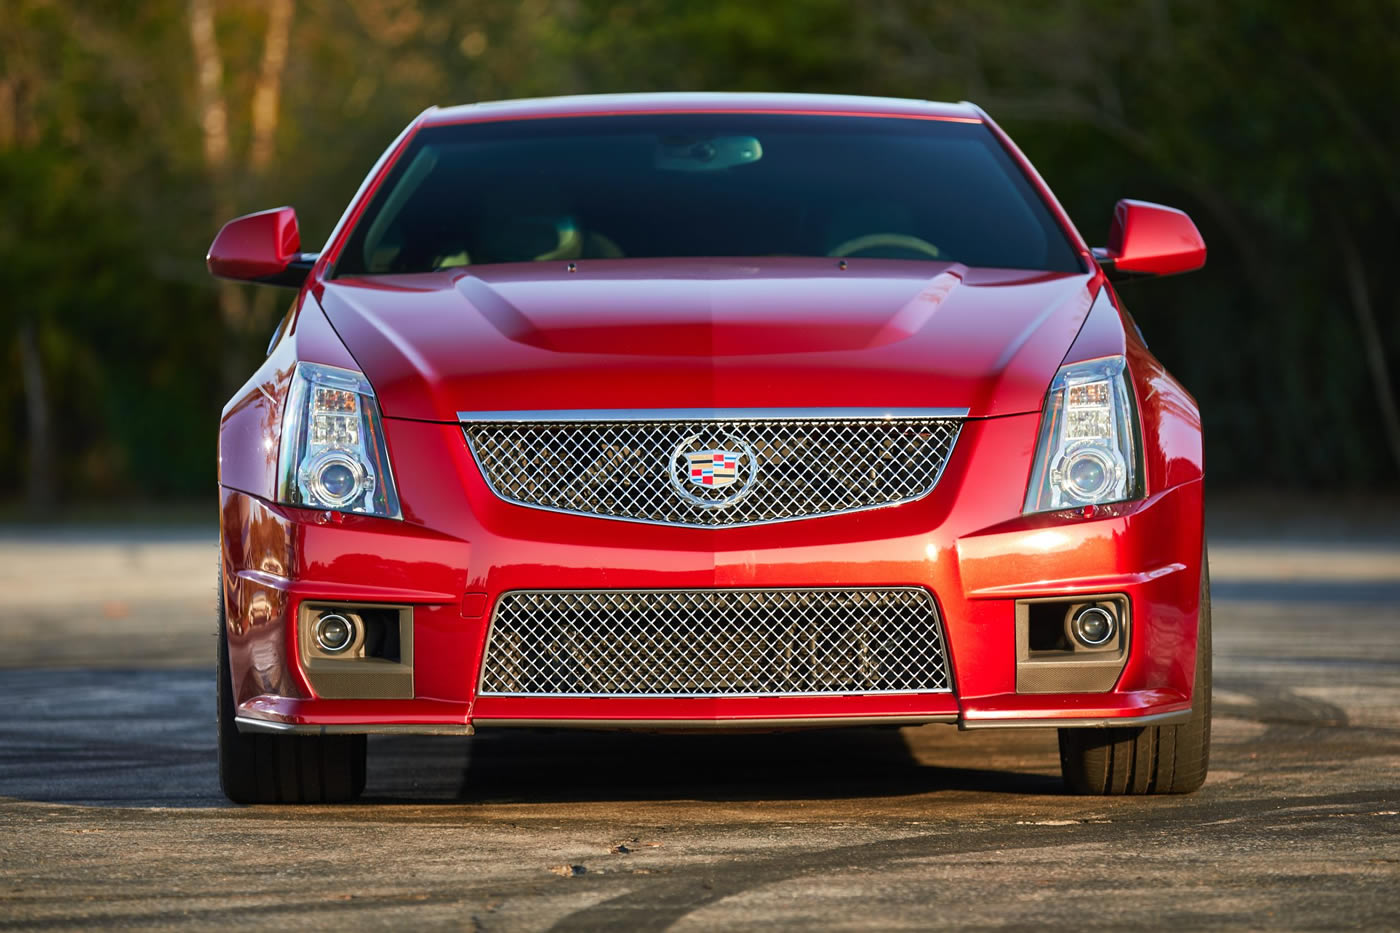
(1094, 627)
(334, 633)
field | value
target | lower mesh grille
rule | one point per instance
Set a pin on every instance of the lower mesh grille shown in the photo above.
(706, 643)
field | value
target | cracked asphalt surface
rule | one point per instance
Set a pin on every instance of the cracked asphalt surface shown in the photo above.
(111, 815)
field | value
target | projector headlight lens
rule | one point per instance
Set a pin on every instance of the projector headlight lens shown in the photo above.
(336, 479)
(1086, 474)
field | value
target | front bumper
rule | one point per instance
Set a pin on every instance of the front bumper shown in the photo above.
(460, 548)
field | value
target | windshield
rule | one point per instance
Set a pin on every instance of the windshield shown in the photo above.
(714, 185)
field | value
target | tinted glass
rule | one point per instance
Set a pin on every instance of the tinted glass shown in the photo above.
(721, 185)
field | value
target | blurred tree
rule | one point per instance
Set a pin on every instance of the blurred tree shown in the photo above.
(129, 132)
(1270, 120)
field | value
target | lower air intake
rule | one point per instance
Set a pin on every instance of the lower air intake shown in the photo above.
(714, 643)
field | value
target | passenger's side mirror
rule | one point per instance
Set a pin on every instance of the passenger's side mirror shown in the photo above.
(262, 247)
(1150, 239)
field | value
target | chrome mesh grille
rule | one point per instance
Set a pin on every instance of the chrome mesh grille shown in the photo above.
(783, 469)
(707, 643)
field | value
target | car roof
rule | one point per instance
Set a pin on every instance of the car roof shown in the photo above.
(585, 105)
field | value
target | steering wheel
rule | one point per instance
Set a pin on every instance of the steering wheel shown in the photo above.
(898, 240)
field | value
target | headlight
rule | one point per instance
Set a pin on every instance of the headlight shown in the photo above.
(1088, 448)
(333, 452)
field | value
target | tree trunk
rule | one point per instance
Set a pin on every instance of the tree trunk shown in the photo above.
(213, 125)
(1372, 348)
(239, 315)
(39, 485)
(267, 95)
(209, 69)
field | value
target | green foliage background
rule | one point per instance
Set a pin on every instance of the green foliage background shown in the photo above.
(1275, 123)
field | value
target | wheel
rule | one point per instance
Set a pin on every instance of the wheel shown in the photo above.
(1151, 759)
(281, 768)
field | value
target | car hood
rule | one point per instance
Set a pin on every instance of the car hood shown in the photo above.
(770, 333)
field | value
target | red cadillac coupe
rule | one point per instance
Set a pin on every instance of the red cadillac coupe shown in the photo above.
(709, 411)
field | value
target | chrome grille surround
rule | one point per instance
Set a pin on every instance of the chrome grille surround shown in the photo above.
(792, 464)
(715, 643)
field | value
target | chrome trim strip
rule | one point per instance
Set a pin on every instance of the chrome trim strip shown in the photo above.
(805, 722)
(276, 727)
(708, 414)
(1108, 722)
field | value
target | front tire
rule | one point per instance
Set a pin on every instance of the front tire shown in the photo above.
(281, 768)
(1151, 759)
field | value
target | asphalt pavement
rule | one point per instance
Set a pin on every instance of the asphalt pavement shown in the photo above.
(111, 814)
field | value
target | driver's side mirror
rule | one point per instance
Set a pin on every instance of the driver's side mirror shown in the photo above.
(262, 247)
(1150, 239)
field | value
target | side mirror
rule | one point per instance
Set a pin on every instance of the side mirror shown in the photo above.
(262, 247)
(1150, 239)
